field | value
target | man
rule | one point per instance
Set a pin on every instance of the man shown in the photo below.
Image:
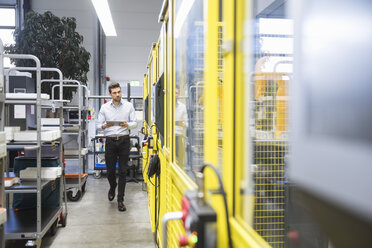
(117, 139)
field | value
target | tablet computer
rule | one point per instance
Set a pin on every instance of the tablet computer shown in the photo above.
(116, 123)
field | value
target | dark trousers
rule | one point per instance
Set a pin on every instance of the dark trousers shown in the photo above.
(117, 149)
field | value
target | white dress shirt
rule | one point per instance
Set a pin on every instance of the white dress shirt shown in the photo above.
(180, 116)
(123, 112)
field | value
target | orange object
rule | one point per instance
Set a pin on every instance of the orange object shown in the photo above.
(277, 97)
(9, 181)
(75, 175)
(8, 178)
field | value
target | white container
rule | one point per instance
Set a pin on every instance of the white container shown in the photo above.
(2, 150)
(10, 132)
(52, 121)
(2, 137)
(25, 96)
(2, 215)
(9, 181)
(31, 135)
(75, 152)
(47, 173)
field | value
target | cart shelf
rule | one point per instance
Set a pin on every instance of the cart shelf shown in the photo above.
(22, 224)
(26, 187)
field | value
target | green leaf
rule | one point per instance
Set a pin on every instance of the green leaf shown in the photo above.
(56, 43)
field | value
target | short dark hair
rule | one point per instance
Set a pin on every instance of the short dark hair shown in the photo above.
(113, 85)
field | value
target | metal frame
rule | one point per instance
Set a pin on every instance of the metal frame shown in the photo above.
(82, 167)
(2, 160)
(60, 104)
(49, 219)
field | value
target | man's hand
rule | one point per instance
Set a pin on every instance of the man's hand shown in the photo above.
(106, 125)
(124, 124)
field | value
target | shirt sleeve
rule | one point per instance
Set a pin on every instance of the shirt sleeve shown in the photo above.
(100, 120)
(132, 123)
(184, 116)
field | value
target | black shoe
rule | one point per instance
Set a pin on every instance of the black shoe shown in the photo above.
(121, 206)
(111, 195)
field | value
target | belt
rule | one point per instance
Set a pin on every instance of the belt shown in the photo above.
(118, 137)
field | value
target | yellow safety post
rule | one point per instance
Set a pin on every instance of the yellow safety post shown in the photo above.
(228, 99)
(236, 118)
(211, 80)
(211, 115)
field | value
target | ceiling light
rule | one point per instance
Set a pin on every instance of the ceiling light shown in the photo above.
(104, 15)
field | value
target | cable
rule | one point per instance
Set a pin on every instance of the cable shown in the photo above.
(150, 131)
(223, 193)
(153, 183)
(157, 213)
(147, 164)
(156, 185)
(156, 204)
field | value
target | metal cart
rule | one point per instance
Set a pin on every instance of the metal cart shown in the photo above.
(76, 180)
(32, 224)
(2, 158)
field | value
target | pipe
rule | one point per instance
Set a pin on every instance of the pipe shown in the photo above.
(167, 217)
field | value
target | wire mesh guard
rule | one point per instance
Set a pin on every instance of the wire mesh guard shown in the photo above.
(195, 99)
(196, 126)
(270, 148)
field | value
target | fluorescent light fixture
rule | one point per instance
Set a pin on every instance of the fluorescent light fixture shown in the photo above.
(183, 11)
(104, 15)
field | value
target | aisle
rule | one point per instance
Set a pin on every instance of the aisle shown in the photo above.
(95, 222)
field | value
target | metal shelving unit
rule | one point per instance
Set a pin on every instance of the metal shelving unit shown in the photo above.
(76, 180)
(32, 224)
(2, 158)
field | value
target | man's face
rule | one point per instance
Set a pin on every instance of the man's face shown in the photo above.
(116, 94)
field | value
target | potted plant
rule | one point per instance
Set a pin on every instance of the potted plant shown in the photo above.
(56, 43)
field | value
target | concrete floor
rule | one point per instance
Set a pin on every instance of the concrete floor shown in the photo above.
(96, 222)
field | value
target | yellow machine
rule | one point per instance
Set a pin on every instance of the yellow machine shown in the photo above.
(216, 100)
(205, 188)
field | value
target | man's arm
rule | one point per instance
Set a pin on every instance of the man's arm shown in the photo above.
(100, 123)
(132, 122)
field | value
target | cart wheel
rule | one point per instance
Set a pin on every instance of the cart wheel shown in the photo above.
(71, 197)
(53, 228)
(83, 187)
(32, 243)
(97, 174)
(63, 219)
